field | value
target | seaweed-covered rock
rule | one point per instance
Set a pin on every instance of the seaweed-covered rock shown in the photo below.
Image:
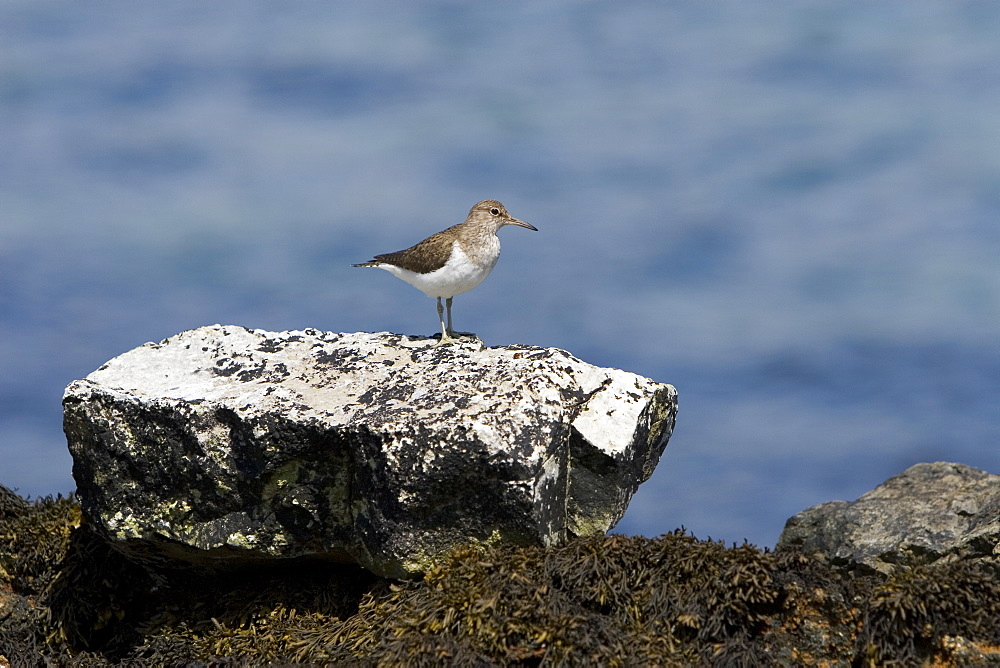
(229, 445)
(68, 597)
(923, 514)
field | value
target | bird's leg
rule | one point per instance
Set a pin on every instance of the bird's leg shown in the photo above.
(445, 336)
(452, 331)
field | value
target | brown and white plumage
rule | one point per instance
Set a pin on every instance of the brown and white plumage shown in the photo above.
(454, 260)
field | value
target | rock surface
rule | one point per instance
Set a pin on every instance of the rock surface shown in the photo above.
(227, 444)
(925, 513)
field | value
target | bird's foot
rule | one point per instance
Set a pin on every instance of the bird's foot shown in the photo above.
(455, 337)
(444, 340)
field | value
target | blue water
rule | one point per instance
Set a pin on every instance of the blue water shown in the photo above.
(790, 211)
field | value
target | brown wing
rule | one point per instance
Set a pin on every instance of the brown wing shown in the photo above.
(430, 254)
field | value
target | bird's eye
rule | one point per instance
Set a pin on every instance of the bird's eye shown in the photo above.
(495, 211)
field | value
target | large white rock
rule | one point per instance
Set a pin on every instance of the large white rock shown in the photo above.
(223, 443)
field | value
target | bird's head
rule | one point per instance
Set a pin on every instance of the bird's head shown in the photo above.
(492, 211)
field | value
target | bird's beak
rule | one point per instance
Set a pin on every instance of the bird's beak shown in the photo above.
(520, 223)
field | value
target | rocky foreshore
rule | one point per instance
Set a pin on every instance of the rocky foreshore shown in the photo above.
(312, 498)
(69, 597)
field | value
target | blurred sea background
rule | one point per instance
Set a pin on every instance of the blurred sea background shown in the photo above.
(790, 211)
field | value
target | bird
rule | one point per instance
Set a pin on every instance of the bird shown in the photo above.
(452, 261)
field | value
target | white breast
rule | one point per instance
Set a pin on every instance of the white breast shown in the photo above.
(459, 274)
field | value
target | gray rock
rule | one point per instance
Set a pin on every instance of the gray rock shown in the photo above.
(224, 444)
(927, 512)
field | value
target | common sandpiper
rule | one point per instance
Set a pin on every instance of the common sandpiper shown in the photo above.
(454, 260)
